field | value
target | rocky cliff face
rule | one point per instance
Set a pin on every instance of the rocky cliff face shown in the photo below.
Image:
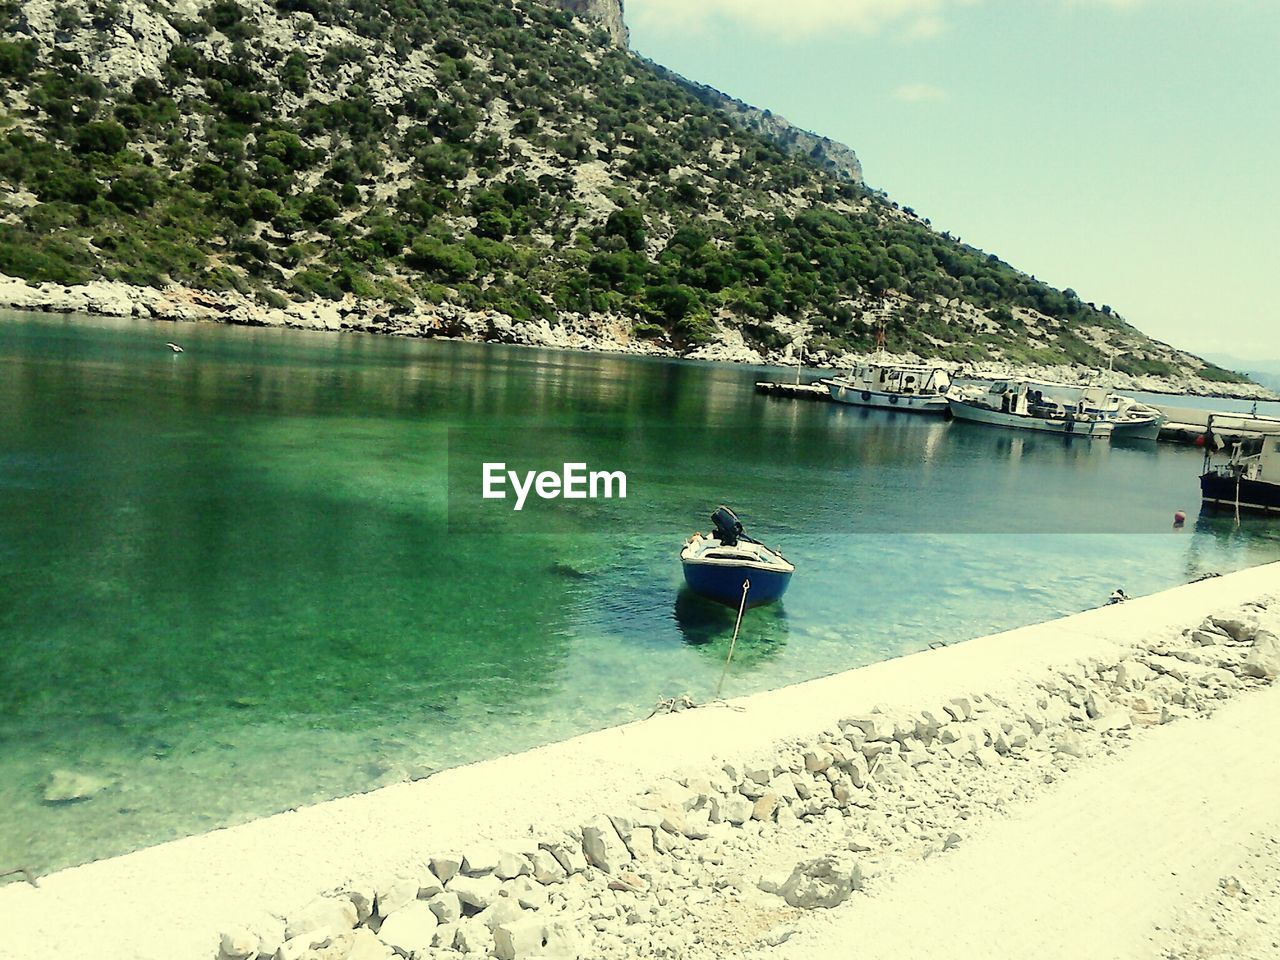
(607, 13)
(827, 153)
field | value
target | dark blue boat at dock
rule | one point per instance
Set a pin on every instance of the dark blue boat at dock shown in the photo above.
(726, 563)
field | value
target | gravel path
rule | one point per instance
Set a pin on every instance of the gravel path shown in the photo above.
(1098, 865)
(1239, 919)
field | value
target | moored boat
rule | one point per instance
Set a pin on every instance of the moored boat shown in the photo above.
(911, 388)
(724, 564)
(1130, 418)
(1249, 479)
(1017, 404)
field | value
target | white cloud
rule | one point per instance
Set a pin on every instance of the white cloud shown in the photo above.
(789, 17)
(926, 27)
(919, 93)
(794, 19)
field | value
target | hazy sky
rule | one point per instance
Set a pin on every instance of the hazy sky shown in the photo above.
(1129, 149)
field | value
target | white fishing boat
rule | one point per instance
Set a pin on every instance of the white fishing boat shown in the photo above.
(1130, 418)
(1020, 405)
(911, 388)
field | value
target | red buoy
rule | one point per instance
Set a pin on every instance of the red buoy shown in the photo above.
(1179, 518)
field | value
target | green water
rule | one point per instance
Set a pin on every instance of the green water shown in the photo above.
(259, 573)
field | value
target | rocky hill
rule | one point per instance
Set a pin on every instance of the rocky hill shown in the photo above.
(497, 168)
(828, 154)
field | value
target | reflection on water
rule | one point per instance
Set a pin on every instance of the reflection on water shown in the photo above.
(256, 574)
(708, 625)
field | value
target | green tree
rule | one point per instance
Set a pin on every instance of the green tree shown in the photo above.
(101, 136)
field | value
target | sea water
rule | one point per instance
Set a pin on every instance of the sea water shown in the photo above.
(259, 573)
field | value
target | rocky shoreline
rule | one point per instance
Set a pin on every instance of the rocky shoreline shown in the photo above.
(762, 827)
(598, 333)
(727, 861)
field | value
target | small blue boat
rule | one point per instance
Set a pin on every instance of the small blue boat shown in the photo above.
(721, 565)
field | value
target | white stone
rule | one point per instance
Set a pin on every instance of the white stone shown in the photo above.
(816, 760)
(1096, 705)
(527, 893)
(479, 860)
(269, 929)
(519, 939)
(409, 930)
(784, 785)
(428, 883)
(444, 935)
(447, 906)
(1117, 719)
(473, 938)
(569, 855)
(394, 894)
(641, 843)
(479, 892)
(502, 910)
(697, 824)
(334, 913)
(736, 810)
(628, 882)
(362, 896)
(511, 865)
(1264, 658)
(1068, 742)
(547, 869)
(238, 944)
(765, 807)
(366, 946)
(68, 786)
(1240, 629)
(446, 866)
(874, 726)
(296, 948)
(602, 845)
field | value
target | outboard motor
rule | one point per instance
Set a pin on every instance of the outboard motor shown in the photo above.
(728, 527)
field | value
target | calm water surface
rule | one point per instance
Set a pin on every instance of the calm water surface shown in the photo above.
(259, 574)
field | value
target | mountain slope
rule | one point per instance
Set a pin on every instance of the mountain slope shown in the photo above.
(496, 156)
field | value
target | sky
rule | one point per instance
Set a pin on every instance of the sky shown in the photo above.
(1128, 149)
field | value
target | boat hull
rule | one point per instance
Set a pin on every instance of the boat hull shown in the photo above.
(1141, 430)
(903, 402)
(1097, 429)
(1255, 496)
(723, 583)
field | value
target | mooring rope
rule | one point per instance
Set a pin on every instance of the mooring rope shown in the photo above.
(742, 606)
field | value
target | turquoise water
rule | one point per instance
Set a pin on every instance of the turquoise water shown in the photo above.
(260, 573)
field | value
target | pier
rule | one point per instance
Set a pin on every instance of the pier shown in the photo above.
(794, 391)
(1184, 425)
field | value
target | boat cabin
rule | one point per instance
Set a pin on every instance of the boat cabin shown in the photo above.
(900, 379)
(1256, 455)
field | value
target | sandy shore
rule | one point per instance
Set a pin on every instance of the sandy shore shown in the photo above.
(1084, 806)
